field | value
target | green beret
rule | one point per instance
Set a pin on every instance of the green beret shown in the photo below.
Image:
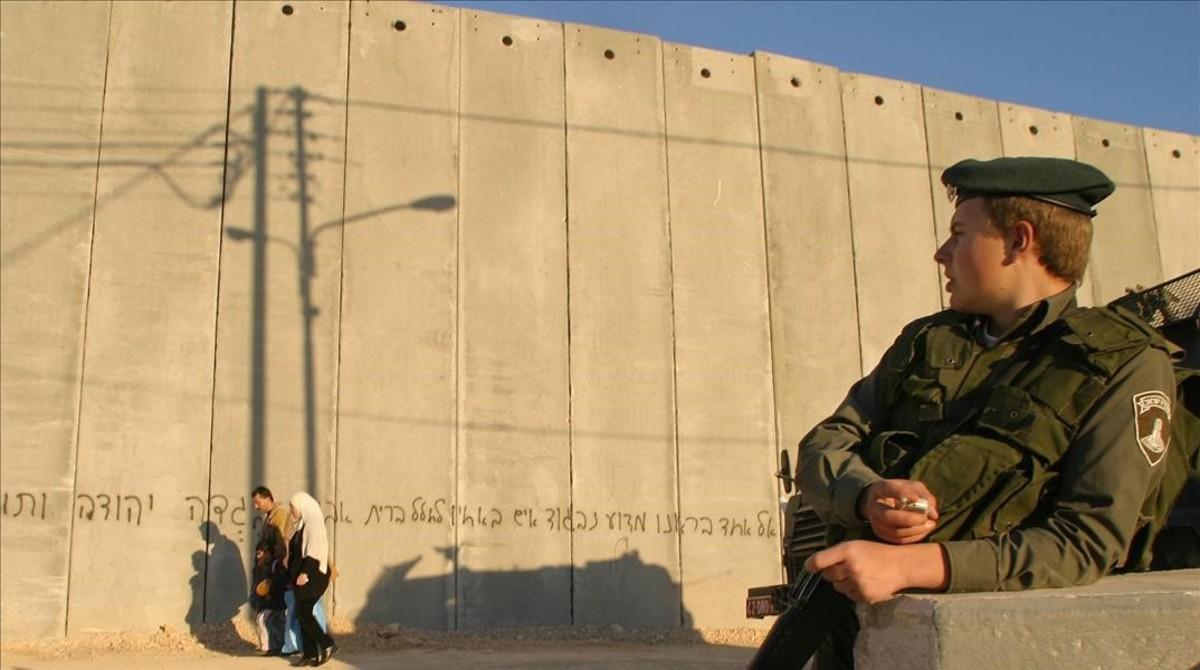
(1058, 181)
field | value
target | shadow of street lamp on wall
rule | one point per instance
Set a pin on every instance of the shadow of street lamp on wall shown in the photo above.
(306, 266)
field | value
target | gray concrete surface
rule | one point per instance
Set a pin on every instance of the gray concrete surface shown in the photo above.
(584, 657)
(1125, 250)
(810, 256)
(1173, 162)
(513, 381)
(640, 282)
(623, 455)
(149, 343)
(52, 68)
(725, 410)
(396, 395)
(1131, 621)
(894, 238)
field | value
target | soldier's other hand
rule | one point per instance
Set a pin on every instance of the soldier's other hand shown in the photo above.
(881, 504)
(863, 571)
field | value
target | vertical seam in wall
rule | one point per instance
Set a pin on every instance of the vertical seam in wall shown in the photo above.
(850, 220)
(1162, 268)
(570, 387)
(337, 362)
(458, 407)
(762, 180)
(212, 407)
(87, 295)
(662, 58)
(1000, 127)
(1090, 268)
(932, 194)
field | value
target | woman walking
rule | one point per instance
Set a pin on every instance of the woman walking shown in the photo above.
(308, 567)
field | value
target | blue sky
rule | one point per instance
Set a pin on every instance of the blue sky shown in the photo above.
(1131, 62)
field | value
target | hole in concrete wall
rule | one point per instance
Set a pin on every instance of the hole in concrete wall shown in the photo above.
(287, 10)
(1105, 142)
(608, 53)
(1176, 154)
(507, 41)
(958, 116)
(1033, 130)
(879, 99)
(705, 73)
(399, 25)
(796, 82)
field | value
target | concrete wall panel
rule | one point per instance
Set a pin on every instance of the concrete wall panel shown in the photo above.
(894, 237)
(513, 444)
(396, 399)
(726, 423)
(622, 390)
(1029, 131)
(148, 358)
(814, 313)
(280, 273)
(1124, 242)
(956, 127)
(1173, 161)
(52, 65)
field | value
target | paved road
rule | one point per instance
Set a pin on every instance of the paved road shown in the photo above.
(581, 657)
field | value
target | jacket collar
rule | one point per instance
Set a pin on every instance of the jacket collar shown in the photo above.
(1036, 317)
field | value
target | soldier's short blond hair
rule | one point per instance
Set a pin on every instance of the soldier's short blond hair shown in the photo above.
(1064, 236)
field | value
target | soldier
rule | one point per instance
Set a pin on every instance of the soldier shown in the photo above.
(1010, 441)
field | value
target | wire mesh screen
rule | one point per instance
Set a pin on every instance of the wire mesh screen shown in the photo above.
(1172, 301)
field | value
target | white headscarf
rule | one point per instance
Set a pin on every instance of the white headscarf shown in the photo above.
(314, 541)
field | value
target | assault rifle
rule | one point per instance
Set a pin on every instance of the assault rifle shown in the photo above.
(807, 606)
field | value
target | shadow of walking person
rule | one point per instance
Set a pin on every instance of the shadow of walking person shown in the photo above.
(195, 614)
(219, 589)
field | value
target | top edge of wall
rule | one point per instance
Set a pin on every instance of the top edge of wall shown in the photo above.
(768, 54)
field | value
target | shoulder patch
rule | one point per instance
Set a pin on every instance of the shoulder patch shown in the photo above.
(1152, 416)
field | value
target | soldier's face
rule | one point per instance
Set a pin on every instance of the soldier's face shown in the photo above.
(974, 260)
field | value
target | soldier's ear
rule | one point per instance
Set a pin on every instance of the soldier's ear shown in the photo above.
(1022, 238)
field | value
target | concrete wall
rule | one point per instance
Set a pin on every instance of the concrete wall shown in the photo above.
(528, 307)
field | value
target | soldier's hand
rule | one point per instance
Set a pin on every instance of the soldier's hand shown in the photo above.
(871, 572)
(882, 505)
(864, 571)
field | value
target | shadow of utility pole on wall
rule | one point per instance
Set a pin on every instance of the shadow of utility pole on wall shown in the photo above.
(292, 105)
(306, 269)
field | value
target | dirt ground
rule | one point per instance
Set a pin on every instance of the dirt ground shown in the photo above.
(379, 647)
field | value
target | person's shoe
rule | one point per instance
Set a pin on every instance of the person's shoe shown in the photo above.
(303, 661)
(328, 654)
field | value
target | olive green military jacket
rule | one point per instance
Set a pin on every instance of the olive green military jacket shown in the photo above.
(1086, 520)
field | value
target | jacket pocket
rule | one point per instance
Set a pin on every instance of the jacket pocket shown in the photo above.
(972, 477)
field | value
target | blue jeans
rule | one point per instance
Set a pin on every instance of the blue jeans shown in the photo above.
(291, 633)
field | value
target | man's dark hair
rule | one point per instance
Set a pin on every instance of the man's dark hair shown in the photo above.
(262, 492)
